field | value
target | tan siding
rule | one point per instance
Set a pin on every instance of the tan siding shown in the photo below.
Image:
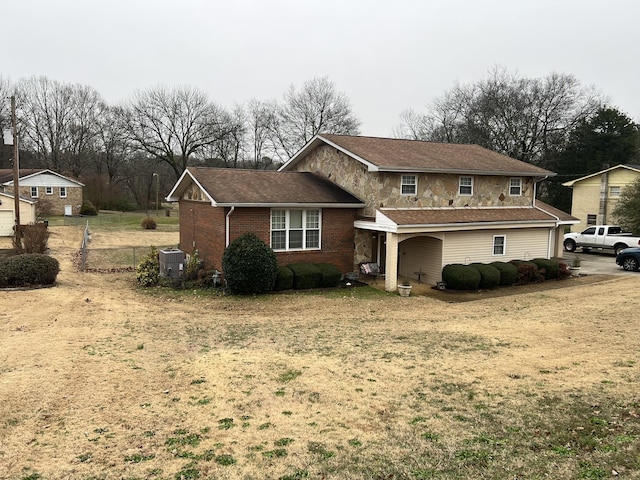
(477, 246)
(421, 254)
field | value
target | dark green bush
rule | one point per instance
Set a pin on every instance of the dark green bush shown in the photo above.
(284, 280)
(549, 266)
(331, 275)
(489, 276)
(527, 272)
(461, 277)
(508, 273)
(249, 265)
(87, 208)
(148, 270)
(305, 275)
(28, 269)
(149, 223)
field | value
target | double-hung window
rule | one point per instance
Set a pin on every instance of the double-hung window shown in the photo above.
(499, 245)
(409, 185)
(63, 192)
(295, 229)
(466, 186)
(34, 192)
(48, 190)
(515, 186)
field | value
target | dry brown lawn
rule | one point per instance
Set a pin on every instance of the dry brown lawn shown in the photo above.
(99, 379)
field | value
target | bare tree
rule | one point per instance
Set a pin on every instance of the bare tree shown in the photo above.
(172, 125)
(317, 108)
(520, 117)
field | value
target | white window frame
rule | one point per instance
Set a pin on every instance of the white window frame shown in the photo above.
(462, 185)
(615, 191)
(48, 190)
(34, 192)
(515, 187)
(306, 229)
(63, 189)
(498, 245)
(408, 182)
(592, 219)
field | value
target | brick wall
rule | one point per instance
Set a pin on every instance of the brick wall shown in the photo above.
(204, 226)
(74, 198)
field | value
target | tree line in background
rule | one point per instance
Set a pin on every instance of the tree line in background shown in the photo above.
(119, 151)
(553, 122)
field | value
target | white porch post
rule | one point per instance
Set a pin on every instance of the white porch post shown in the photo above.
(391, 264)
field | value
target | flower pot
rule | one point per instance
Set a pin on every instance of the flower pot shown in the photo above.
(404, 290)
(575, 271)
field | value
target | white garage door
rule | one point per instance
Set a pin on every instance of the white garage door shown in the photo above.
(6, 223)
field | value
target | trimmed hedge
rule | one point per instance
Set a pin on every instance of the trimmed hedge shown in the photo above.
(249, 265)
(508, 273)
(331, 275)
(549, 266)
(28, 269)
(489, 275)
(461, 277)
(305, 275)
(284, 280)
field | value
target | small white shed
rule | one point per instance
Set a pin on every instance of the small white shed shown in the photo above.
(7, 213)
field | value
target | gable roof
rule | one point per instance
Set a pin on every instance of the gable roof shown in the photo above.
(635, 168)
(21, 198)
(400, 155)
(260, 188)
(6, 175)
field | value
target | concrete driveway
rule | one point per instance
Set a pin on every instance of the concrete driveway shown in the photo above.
(597, 262)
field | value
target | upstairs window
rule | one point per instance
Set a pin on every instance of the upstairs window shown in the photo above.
(34, 192)
(48, 190)
(63, 192)
(409, 185)
(466, 186)
(614, 191)
(592, 219)
(515, 187)
(295, 229)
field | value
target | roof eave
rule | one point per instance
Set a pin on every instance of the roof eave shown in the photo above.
(466, 171)
(289, 205)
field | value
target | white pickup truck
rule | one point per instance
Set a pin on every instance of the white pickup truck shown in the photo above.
(610, 237)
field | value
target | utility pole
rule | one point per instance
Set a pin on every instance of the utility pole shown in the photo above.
(16, 170)
(157, 175)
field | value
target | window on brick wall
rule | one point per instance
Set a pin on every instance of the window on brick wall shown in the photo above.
(34, 192)
(63, 192)
(48, 190)
(295, 229)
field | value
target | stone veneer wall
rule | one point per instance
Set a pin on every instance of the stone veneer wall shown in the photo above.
(74, 198)
(382, 189)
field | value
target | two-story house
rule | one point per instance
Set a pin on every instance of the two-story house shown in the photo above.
(416, 206)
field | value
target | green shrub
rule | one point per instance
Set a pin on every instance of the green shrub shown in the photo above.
(508, 273)
(87, 208)
(527, 272)
(305, 275)
(28, 269)
(549, 266)
(149, 223)
(148, 270)
(284, 280)
(249, 265)
(461, 277)
(331, 275)
(489, 276)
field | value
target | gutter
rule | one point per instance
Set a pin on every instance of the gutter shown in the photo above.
(226, 226)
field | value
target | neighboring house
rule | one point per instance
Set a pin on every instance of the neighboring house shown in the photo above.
(432, 204)
(63, 194)
(8, 212)
(303, 217)
(596, 195)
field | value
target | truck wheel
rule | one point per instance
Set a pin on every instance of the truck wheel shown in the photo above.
(618, 248)
(630, 264)
(569, 245)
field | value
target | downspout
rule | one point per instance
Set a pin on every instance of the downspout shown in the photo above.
(226, 225)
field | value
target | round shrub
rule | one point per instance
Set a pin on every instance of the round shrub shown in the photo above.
(28, 269)
(508, 273)
(148, 270)
(284, 280)
(549, 266)
(461, 277)
(489, 276)
(527, 272)
(149, 223)
(88, 208)
(249, 265)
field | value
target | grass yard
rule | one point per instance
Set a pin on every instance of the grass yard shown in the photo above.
(102, 380)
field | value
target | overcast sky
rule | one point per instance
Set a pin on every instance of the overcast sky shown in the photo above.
(386, 56)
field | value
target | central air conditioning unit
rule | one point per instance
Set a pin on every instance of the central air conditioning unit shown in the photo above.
(171, 262)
